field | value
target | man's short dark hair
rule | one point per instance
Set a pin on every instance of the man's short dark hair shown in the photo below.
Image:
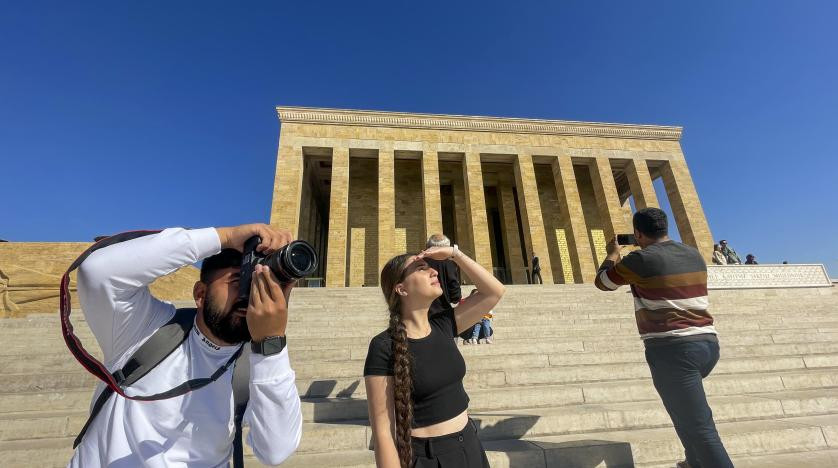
(651, 222)
(225, 259)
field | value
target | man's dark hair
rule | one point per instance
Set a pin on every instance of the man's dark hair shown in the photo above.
(651, 222)
(225, 259)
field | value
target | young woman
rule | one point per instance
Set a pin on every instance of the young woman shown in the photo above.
(414, 372)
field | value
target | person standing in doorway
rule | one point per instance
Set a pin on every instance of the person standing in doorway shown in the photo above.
(536, 270)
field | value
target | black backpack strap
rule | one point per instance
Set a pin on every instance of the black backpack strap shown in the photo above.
(151, 353)
(97, 407)
(241, 395)
(157, 348)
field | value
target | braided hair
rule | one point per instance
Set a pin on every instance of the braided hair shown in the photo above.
(392, 274)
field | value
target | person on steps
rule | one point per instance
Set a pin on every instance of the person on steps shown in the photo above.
(195, 429)
(484, 326)
(449, 276)
(414, 372)
(669, 283)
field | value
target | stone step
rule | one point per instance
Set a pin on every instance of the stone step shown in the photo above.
(585, 307)
(521, 304)
(809, 459)
(536, 331)
(564, 293)
(502, 370)
(497, 425)
(546, 390)
(330, 364)
(353, 405)
(22, 345)
(783, 442)
(660, 447)
(556, 353)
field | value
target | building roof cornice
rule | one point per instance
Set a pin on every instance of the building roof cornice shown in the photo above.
(366, 118)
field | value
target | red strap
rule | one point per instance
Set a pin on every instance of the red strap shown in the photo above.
(73, 343)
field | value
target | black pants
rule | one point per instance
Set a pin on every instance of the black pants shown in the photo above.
(537, 274)
(677, 371)
(458, 450)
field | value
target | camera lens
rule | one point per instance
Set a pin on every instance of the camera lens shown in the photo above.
(300, 259)
(293, 261)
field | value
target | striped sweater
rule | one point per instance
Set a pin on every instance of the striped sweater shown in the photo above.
(669, 284)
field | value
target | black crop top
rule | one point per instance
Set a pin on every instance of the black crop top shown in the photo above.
(438, 370)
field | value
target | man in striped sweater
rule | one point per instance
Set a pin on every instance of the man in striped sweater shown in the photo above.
(669, 283)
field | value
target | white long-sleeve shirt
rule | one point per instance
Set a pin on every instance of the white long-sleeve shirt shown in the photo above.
(193, 430)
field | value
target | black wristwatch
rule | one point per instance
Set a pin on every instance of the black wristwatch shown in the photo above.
(269, 346)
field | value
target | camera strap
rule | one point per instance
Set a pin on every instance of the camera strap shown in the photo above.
(151, 353)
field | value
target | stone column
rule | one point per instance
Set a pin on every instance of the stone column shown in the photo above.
(288, 184)
(607, 199)
(535, 239)
(476, 209)
(686, 207)
(462, 225)
(386, 207)
(570, 206)
(338, 219)
(640, 182)
(509, 218)
(430, 193)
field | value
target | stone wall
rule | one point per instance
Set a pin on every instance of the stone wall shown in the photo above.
(362, 267)
(30, 276)
(410, 211)
(553, 223)
(596, 233)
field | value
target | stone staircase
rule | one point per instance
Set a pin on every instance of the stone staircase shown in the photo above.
(565, 383)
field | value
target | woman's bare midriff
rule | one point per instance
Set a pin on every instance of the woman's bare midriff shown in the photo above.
(455, 424)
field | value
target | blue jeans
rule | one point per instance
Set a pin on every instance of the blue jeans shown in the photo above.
(486, 324)
(677, 372)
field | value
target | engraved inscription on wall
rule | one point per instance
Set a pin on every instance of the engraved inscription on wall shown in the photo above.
(766, 276)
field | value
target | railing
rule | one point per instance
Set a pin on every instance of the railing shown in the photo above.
(311, 283)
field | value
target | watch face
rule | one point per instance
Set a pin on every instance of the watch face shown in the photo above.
(273, 345)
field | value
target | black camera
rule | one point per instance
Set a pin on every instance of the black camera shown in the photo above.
(291, 262)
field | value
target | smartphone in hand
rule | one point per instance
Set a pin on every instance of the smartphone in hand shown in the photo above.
(626, 239)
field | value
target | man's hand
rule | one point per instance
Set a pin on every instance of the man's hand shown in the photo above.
(267, 311)
(613, 250)
(272, 238)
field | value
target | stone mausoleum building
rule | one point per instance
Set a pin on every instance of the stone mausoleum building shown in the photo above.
(362, 186)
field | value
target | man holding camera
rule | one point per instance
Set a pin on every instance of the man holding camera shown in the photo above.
(669, 283)
(197, 428)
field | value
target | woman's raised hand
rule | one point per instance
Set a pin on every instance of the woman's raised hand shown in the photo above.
(437, 253)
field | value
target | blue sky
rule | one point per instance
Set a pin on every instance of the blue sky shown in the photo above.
(116, 116)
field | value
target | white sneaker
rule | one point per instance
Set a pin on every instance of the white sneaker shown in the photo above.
(473, 341)
(488, 340)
